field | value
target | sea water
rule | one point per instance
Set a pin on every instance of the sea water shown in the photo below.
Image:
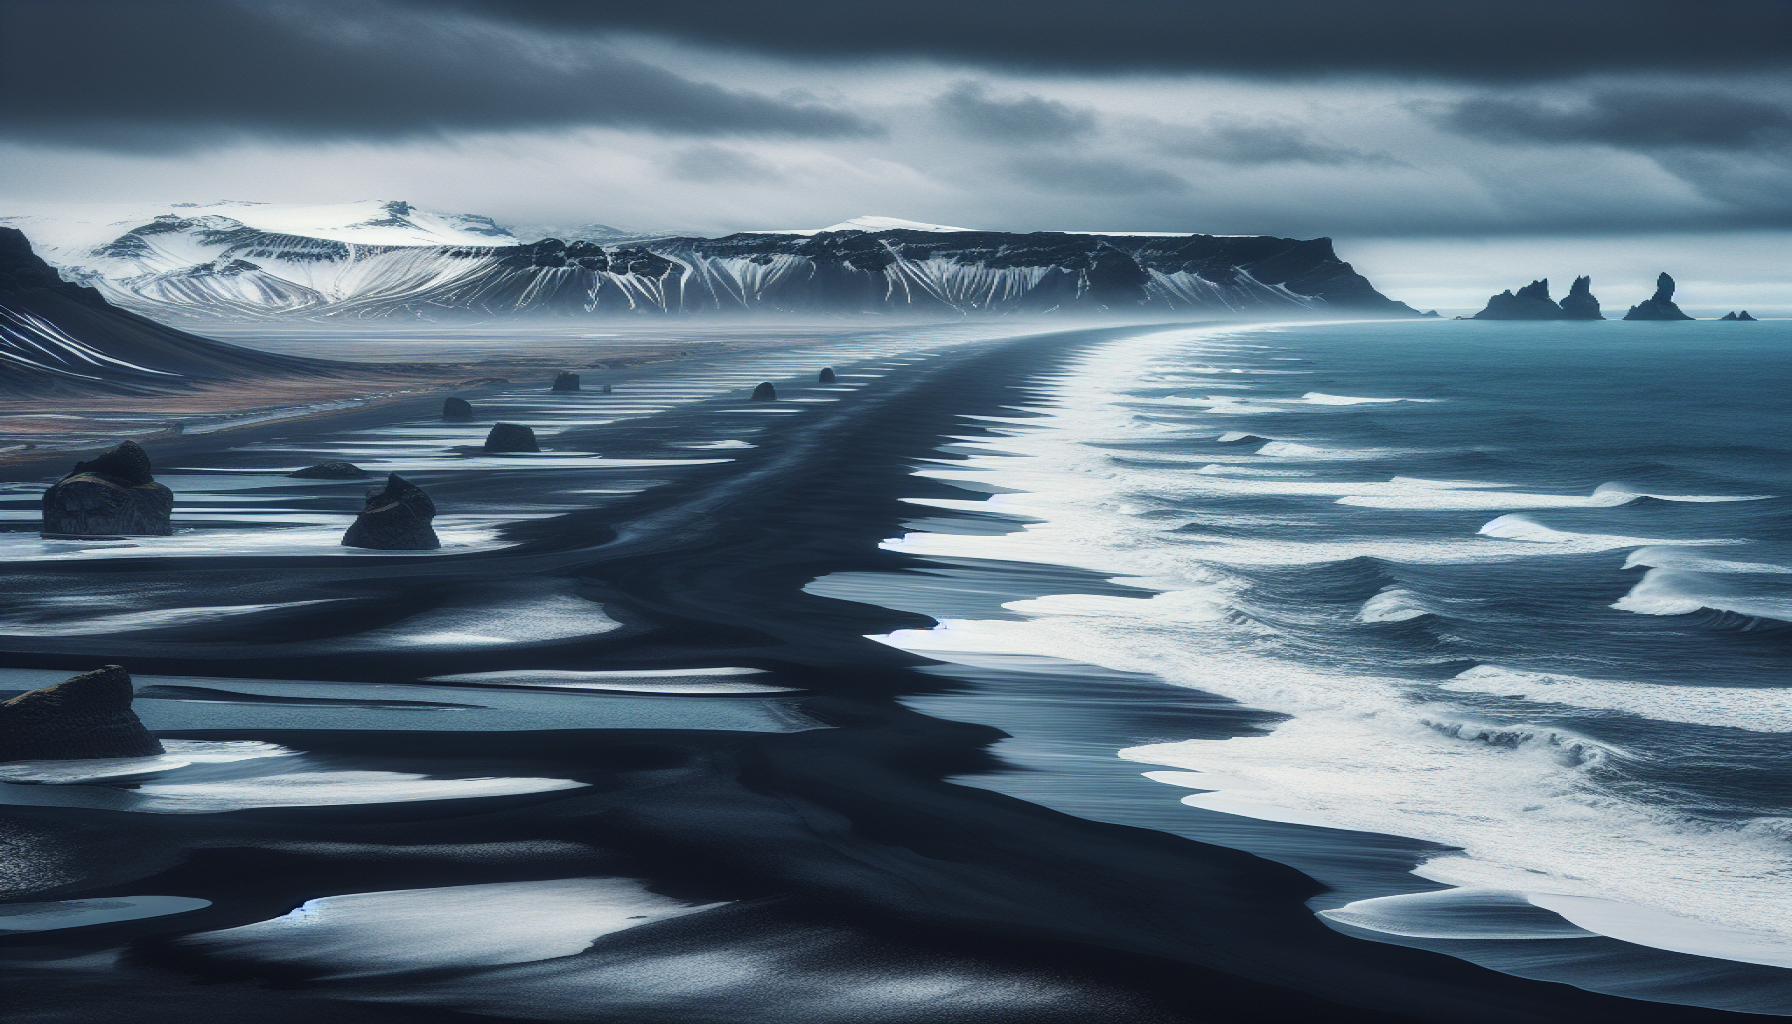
(1520, 590)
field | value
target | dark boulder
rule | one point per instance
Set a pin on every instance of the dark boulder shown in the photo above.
(456, 409)
(1579, 303)
(1659, 306)
(112, 495)
(396, 518)
(82, 717)
(566, 380)
(511, 437)
(607, 389)
(1532, 302)
(826, 376)
(765, 393)
(330, 471)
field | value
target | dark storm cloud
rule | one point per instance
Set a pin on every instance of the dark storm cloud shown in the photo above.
(1094, 177)
(1628, 120)
(719, 164)
(970, 108)
(168, 76)
(1467, 40)
(1245, 141)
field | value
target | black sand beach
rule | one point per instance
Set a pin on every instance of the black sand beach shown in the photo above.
(798, 845)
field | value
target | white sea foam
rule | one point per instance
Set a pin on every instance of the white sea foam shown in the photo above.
(1680, 592)
(176, 754)
(678, 680)
(374, 933)
(1393, 606)
(1320, 398)
(1737, 707)
(1669, 557)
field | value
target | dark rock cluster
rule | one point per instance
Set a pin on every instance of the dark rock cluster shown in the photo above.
(511, 437)
(826, 376)
(396, 518)
(1659, 306)
(111, 495)
(765, 392)
(456, 409)
(566, 380)
(1736, 316)
(1532, 302)
(83, 717)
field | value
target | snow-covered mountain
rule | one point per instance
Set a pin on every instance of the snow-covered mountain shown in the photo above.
(384, 259)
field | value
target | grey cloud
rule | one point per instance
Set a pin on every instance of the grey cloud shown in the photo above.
(1238, 140)
(1097, 177)
(1627, 119)
(130, 75)
(720, 164)
(1459, 40)
(969, 107)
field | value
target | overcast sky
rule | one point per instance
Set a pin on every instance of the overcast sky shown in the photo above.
(1452, 148)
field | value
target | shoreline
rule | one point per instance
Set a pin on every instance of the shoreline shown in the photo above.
(855, 827)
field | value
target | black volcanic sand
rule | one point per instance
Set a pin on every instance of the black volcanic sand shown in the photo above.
(853, 882)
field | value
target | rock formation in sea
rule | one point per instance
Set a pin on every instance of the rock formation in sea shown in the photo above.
(83, 717)
(189, 264)
(330, 471)
(1736, 316)
(113, 494)
(511, 437)
(566, 380)
(765, 392)
(826, 376)
(1579, 303)
(456, 409)
(58, 338)
(396, 518)
(607, 389)
(1532, 302)
(1659, 306)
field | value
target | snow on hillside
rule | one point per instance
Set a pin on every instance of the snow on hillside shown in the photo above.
(864, 224)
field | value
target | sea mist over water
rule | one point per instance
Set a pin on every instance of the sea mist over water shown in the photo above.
(1520, 589)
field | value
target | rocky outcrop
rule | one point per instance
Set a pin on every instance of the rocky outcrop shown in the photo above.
(330, 471)
(113, 495)
(1659, 306)
(83, 717)
(511, 437)
(765, 392)
(456, 409)
(396, 518)
(1579, 303)
(566, 380)
(1532, 302)
(1736, 316)
(826, 376)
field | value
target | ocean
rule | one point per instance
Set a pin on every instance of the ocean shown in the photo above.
(1519, 591)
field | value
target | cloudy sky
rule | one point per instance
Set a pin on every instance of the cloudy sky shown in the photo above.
(1451, 148)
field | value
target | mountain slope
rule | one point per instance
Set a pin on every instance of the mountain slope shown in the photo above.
(61, 338)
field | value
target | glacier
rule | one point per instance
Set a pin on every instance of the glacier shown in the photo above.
(388, 259)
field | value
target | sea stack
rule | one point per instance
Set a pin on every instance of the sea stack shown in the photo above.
(566, 380)
(1579, 303)
(511, 437)
(396, 518)
(83, 717)
(108, 496)
(1659, 306)
(607, 389)
(765, 392)
(1736, 316)
(826, 376)
(456, 409)
(1532, 302)
(330, 471)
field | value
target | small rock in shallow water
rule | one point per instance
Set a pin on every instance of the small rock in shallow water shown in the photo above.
(765, 393)
(396, 518)
(511, 437)
(457, 409)
(111, 495)
(83, 717)
(330, 471)
(826, 376)
(566, 380)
